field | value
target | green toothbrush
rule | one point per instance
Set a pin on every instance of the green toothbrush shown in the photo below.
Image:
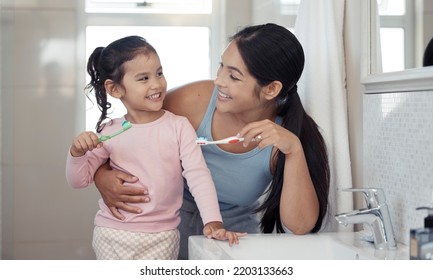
(125, 126)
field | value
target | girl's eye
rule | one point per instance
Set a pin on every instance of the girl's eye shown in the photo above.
(144, 78)
(160, 74)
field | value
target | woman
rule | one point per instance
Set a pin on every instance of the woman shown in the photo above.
(283, 153)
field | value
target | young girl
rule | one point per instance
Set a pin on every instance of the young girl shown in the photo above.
(159, 149)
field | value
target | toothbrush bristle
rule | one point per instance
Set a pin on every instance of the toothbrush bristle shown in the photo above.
(126, 125)
(201, 140)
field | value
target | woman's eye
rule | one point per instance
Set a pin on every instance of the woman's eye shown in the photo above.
(234, 78)
(230, 72)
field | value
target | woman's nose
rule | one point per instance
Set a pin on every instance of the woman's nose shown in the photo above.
(219, 81)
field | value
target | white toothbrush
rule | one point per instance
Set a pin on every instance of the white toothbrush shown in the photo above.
(229, 140)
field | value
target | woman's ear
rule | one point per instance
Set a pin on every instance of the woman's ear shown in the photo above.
(112, 89)
(273, 89)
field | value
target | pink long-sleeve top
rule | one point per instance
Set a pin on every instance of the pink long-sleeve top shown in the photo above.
(161, 154)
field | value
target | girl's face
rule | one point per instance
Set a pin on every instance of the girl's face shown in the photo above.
(143, 86)
(237, 89)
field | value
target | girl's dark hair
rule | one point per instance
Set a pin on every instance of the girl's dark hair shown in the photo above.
(273, 53)
(108, 63)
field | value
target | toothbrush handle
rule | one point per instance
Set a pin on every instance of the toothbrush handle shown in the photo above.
(228, 140)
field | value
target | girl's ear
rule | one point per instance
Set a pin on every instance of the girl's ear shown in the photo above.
(273, 89)
(112, 89)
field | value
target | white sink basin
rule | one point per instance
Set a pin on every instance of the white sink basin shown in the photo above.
(320, 246)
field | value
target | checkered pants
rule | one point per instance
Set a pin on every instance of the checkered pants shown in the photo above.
(115, 244)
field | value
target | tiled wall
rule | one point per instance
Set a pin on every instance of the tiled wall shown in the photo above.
(42, 218)
(398, 154)
(0, 141)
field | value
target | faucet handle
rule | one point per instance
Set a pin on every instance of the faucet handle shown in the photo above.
(373, 196)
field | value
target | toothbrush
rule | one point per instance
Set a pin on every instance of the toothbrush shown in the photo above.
(229, 140)
(125, 126)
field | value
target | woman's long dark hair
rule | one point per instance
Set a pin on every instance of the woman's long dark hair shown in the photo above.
(428, 54)
(273, 53)
(107, 63)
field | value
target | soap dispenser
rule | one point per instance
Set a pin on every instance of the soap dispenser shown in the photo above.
(421, 239)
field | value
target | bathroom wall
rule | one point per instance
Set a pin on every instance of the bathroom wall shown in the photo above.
(0, 134)
(42, 218)
(398, 150)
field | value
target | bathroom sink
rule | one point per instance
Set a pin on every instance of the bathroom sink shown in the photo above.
(319, 246)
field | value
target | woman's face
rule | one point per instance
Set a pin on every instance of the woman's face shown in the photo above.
(237, 88)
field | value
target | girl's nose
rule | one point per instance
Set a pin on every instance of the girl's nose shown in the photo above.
(158, 83)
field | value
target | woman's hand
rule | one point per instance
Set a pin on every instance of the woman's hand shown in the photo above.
(217, 231)
(110, 184)
(267, 133)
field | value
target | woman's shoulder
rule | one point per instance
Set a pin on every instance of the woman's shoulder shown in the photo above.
(190, 100)
(188, 93)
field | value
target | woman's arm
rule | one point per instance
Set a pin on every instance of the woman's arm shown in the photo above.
(299, 204)
(115, 194)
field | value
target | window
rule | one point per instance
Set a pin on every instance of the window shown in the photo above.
(281, 12)
(179, 30)
(290, 7)
(150, 6)
(397, 34)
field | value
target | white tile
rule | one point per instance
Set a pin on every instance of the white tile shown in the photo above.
(62, 250)
(41, 51)
(38, 4)
(398, 152)
(69, 215)
(44, 124)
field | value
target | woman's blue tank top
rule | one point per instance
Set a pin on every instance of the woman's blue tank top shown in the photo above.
(240, 179)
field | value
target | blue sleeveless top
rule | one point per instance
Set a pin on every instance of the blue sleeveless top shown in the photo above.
(240, 179)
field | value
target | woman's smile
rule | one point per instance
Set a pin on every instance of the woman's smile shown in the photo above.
(223, 96)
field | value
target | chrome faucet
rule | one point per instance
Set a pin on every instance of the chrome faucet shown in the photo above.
(376, 215)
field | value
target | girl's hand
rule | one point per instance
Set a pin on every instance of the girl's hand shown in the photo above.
(267, 133)
(216, 230)
(84, 142)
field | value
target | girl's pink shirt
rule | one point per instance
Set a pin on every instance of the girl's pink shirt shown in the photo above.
(161, 154)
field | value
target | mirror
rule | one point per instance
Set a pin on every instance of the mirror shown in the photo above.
(410, 77)
(405, 31)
